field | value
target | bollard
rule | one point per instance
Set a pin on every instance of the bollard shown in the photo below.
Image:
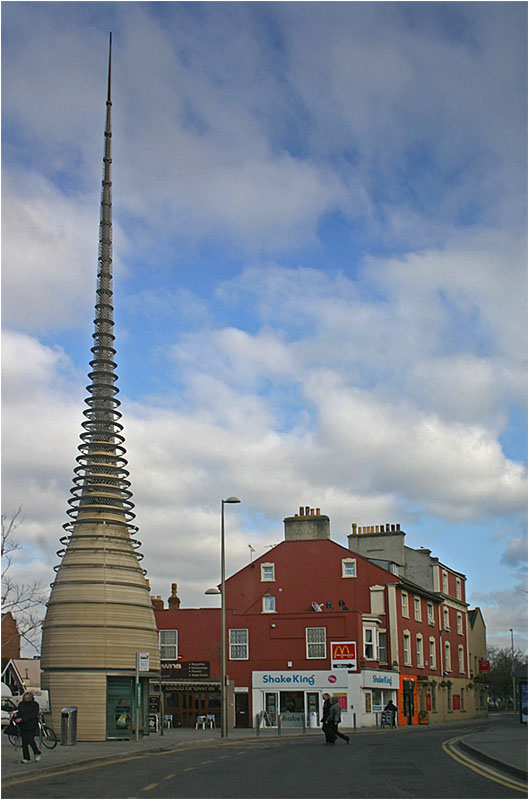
(279, 724)
(354, 720)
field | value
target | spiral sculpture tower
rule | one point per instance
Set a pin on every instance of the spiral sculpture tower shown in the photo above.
(99, 612)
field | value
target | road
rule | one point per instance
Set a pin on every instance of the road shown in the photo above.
(412, 764)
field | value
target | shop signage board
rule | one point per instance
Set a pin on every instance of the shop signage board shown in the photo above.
(484, 666)
(302, 680)
(185, 670)
(343, 655)
(379, 679)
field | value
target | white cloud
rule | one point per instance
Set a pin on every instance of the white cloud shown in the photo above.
(49, 254)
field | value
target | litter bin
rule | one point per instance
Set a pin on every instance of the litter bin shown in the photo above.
(313, 719)
(69, 726)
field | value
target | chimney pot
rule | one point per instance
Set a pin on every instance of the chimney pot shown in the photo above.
(392, 529)
(318, 512)
(398, 526)
(354, 528)
(301, 511)
(307, 511)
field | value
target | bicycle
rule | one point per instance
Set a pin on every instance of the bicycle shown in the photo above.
(46, 735)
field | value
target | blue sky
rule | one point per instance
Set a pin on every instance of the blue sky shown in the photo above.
(320, 259)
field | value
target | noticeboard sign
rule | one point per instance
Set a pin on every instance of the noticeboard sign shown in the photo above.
(142, 662)
(484, 666)
(343, 655)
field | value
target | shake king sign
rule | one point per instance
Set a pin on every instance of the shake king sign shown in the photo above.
(343, 655)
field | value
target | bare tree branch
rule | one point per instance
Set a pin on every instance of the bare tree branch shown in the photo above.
(25, 601)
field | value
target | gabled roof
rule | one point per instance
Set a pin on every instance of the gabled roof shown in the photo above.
(475, 615)
(26, 671)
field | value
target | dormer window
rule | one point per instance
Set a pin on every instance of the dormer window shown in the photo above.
(268, 572)
(348, 567)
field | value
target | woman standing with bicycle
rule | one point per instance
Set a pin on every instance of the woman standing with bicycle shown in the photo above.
(27, 719)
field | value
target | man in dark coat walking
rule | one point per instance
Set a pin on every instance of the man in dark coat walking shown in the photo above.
(27, 719)
(326, 725)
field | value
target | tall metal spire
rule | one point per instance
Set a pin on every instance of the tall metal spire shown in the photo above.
(99, 613)
(101, 483)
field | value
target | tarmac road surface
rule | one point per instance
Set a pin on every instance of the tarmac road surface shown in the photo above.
(413, 764)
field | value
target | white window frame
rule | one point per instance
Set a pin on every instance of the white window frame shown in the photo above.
(165, 645)
(430, 612)
(431, 652)
(370, 642)
(267, 566)
(241, 644)
(404, 602)
(406, 651)
(461, 658)
(419, 649)
(458, 589)
(318, 640)
(446, 618)
(348, 567)
(460, 622)
(270, 601)
(382, 652)
(444, 581)
(417, 610)
(448, 657)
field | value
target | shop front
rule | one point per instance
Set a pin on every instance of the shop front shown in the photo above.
(371, 693)
(294, 699)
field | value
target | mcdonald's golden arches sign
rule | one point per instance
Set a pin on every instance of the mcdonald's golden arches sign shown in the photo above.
(343, 655)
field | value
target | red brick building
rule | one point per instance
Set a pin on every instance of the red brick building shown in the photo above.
(311, 616)
(10, 637)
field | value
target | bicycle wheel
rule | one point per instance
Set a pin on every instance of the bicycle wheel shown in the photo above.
(13, 739)
(49, 737)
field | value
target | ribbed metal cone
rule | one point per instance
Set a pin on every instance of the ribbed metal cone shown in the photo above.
(99, 612)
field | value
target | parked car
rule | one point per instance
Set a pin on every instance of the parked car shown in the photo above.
(7, 709)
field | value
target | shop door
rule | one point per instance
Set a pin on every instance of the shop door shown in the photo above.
(242, 711)
(408, 692)
(313, 708)
(271, 709)
(120, 707)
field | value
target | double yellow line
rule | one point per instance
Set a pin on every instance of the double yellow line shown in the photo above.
(450, 748)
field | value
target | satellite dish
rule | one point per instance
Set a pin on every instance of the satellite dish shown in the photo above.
(316, 606)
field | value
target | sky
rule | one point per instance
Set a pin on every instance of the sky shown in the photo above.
(320, 253)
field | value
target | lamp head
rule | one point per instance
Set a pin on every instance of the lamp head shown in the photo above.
(231, 500)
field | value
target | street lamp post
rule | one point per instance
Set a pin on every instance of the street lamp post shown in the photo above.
(512, 671)
(223, 676)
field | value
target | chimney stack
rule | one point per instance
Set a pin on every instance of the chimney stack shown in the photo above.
(308, 524)
(174, 600)
(157, 603)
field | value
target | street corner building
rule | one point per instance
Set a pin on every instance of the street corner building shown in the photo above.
(99, 613)
(370, 623)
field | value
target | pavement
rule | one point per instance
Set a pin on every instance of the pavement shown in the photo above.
(499, 740)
